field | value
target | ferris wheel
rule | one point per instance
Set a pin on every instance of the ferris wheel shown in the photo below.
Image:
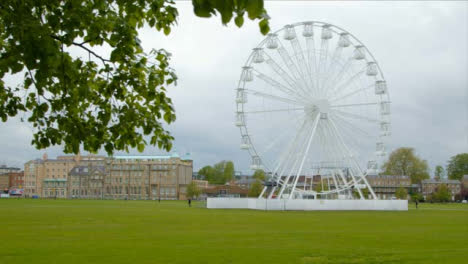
(312, 108)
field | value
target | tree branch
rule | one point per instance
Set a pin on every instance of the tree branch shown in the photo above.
(81, 45)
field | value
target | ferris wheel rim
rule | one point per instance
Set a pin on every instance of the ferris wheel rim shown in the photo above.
(240, 106)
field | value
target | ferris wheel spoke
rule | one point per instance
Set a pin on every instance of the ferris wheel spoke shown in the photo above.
(312, 61)
(355, 116)
(289, 152)
(337, 77)
(349, 137)
(322, 62)
(298, 78)
(272, 97)
(339, 88)
(280, 71)
(273, 110)
(276, 84)
(279, 138)
(358, 104)
(350, 125)
(301, 61)
(332, 65)
(352, 93)
(289, 62)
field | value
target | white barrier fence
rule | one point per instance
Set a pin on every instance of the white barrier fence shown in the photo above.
(307, 205)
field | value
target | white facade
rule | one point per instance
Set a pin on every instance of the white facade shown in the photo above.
(307, 205)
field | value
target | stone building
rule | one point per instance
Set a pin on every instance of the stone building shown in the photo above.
(54, 188)
(16, 180)
(201, 184)
(6, 169)
(118, 177)
(464, 181)
(37, 171)
(4, 182)
(385, 186)
(7, 174)
(86, 182)
(148, 177)
(430, 186)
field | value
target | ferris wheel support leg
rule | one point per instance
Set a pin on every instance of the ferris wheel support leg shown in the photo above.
(347, 151)
(263, 191)
(370, 188)
(317, 119)
(271, 192)
(291, 154)
(363, 177)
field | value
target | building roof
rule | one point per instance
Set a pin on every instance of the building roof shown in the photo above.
(83, 170)
(143, 157)
(387, 177)
(434, 181)
(4, 167)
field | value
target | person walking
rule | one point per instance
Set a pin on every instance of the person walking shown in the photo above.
(190, 202)
(416, 203)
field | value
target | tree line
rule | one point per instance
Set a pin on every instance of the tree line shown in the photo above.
(404, 161)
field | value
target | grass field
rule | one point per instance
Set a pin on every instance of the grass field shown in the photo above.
(64, 231)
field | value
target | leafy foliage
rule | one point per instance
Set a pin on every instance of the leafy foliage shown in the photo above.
(111, 101)
(228, 173)
(403, 161)
(458, 166)
(237, 8)
(442, 194)
(192, 190)
(365, 193)
(220, 173)
(401, 193)
(417, 197)
(439, 172)
(255, 189)
(259, 175)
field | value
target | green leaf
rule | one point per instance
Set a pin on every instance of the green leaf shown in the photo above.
(239, 20)
(264, 26)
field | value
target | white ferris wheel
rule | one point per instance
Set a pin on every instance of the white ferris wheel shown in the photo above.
(312, 108)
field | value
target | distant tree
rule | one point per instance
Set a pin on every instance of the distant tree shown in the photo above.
(228, 173)
(401, 193)
(259, 175)
(439, 172)
(458, 166)
(442, 194)
(403, 161)
(417, 197)
(220, 173)
(255, 189)
(208, 173)
(365, 193)
(192, 190)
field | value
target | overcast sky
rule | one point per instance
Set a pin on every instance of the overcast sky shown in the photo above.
(420, 46)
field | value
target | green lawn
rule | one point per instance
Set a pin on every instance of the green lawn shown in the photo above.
(63, 231)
